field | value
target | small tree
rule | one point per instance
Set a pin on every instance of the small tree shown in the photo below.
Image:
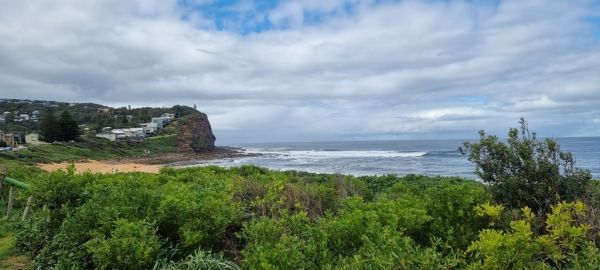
(48, 127)
(69, 130)
(526, 171)
(3, 144)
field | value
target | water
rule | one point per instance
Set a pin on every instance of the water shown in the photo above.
(431, 157)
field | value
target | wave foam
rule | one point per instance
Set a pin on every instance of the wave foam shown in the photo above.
(320, 154)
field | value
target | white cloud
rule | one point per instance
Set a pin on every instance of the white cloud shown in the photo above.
(405, 69)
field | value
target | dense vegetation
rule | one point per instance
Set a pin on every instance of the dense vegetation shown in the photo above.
(64, 129)
(254, 218)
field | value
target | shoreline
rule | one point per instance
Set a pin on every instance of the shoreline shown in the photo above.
(149, 164)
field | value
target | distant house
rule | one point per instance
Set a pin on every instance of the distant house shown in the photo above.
(2, 119)
(13, 139)
(149, 128)
(171, 116)
(107, 135)
(161, 121)
(33, 139)
(124, 135)
(24, 117)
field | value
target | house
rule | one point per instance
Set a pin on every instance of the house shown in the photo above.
(149, 128)
(33, 139)
(2, 119)
(125, 134)
(171, 116)
(161, 121)
(24, 117)
(107, 135)
(134, 134)
(13, 139)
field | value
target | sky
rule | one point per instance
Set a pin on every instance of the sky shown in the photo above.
(316, 70)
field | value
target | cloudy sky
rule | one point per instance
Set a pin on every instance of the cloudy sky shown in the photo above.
(268, 70)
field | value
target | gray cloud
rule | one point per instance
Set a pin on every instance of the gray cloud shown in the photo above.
(410, 69)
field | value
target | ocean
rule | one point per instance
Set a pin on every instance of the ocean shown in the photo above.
(401, 157)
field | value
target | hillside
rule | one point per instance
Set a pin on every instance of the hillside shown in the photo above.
(22, 114)
(189, 133)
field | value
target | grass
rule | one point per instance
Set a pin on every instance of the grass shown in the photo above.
(88, 148)
(8, 258)
(7, 245)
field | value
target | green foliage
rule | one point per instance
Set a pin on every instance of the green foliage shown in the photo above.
(132, 245)
(527, 171)
(450, 203)
(68, 130)
(218, 218)
(520, 247)
(62, 130)
(49, 131)
(3, 144)
(201, 260)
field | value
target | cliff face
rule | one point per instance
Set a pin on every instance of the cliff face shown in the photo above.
(196, 134)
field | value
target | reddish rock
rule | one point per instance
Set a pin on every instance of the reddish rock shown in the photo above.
(195, 134)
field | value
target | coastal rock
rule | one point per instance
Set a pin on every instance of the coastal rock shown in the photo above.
(195, 134)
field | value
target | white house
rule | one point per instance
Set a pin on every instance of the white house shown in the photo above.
(161, 121)
(33, 139)
(171, 116)
(149, 128)
(24, 117)
(107, 135)
(135, 133)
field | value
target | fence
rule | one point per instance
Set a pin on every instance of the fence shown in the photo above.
(13, 185)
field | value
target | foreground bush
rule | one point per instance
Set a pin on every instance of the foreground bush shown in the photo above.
(253, 218)
(563, 237)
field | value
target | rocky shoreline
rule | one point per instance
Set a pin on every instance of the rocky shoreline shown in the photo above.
(186, 158)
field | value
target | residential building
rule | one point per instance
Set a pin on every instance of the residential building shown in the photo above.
(24, 117)
(13, 139)
(161, 121)
(126, 134)
(171, 116)
(149, 128)
(33, 139)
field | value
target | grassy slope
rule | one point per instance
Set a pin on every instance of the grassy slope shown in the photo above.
(90, 148)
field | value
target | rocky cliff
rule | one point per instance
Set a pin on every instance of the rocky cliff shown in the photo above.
(195, 133)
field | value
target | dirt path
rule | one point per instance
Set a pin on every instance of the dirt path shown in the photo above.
(103, 167)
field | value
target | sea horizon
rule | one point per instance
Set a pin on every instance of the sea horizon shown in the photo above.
(381, 157)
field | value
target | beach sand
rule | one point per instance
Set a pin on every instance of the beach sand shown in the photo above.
(103, 167)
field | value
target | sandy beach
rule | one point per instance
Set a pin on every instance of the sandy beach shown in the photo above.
(103, 167)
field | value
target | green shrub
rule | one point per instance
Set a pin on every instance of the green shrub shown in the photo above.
(201, 260)
(449, 202)
(521, 248)
(527, 171)
(131, 245)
